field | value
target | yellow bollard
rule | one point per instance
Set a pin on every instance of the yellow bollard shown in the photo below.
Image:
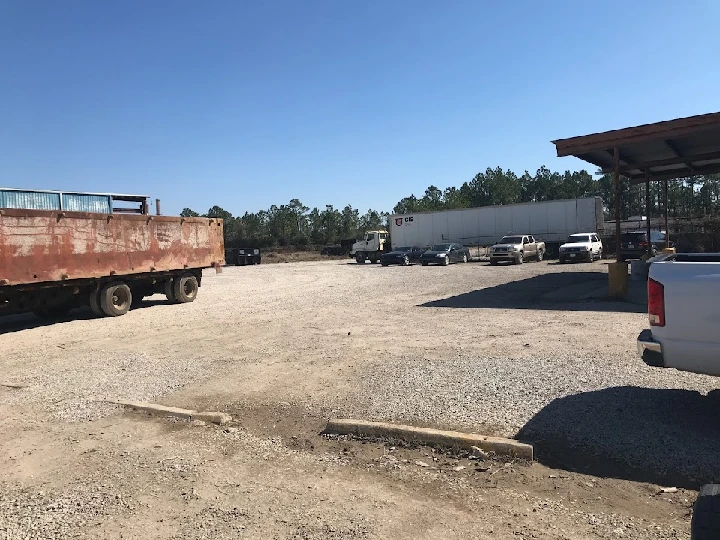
(618, 280)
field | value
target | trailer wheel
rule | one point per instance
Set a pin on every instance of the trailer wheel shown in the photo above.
(360, 258)
(95, 303)
(115, 299)
(705, 522)
(185, 288)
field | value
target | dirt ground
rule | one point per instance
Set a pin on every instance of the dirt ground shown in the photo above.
(284, 347)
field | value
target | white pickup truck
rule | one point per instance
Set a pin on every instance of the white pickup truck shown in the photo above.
(684, 312)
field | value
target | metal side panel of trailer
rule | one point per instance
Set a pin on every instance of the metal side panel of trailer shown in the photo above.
(39, 246)
(551, 221)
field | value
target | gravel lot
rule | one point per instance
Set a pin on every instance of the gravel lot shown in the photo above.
(517, 351)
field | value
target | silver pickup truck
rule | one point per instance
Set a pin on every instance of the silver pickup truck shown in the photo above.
(684, 333)
(517, 248)
(684, 313)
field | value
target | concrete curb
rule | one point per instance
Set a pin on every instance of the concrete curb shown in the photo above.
(498, 445)
(185, 414)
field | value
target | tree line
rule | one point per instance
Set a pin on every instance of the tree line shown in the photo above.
(298, 225)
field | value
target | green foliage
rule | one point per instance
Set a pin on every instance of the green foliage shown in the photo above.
(296, 224)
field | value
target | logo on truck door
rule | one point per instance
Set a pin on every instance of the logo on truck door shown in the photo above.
(399, 220)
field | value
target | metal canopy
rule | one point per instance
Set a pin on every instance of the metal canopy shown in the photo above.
(662, 151)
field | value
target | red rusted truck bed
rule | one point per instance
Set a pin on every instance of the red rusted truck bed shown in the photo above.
(39, 246)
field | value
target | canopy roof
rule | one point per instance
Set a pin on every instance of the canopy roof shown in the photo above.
(661, 151)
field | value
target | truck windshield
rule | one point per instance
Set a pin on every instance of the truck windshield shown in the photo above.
(511, 240)
(573, 238)
(441, 247)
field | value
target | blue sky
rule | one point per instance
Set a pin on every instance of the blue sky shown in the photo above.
(247, 104)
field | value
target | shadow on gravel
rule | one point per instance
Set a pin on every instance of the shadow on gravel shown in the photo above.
(570, 291)
(27, 321)
(665, 437)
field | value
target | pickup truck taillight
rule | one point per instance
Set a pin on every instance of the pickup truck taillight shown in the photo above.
(656, 303)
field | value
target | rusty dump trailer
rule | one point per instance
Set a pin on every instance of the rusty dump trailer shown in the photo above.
(54, 260)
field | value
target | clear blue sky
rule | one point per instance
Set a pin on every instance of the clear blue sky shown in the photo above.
(245, 104)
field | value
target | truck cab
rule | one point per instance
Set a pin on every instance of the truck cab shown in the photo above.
(371, 247)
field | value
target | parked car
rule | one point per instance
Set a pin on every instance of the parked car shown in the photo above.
(581, 247)
(242, 256)
(683, 312)
(633, 245)
(517, 249)
(445, 254)
(402, 255)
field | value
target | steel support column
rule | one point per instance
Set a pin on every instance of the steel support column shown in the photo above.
(647, 213)
(665, 205)
(616, 160)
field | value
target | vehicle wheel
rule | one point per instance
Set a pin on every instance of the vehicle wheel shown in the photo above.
(406, 261)
(424, 263)
(540, 255)
(373, 261)
(384, 264)
(520, 259)
(465, 259)
(360, 258)
(705, 522)
(169, 292)
(115, 299)
(446, 261)
(493, 262)
(185, 288)
(95, 303)
(600, 255)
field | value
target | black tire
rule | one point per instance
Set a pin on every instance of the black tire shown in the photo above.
(360, 258)
(705, 524)
(600, 255)
(95, 303)
(169, 292)
(493, 262)
(115, 299)
(185, 288)
(424, 263)
(520, 259)
(446, 261)
(540, 255)
(384, 263)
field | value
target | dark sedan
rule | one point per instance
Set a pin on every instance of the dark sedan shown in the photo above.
(402, 255)
(445, 254)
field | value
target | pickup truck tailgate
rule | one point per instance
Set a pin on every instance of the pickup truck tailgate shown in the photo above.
(690, 338)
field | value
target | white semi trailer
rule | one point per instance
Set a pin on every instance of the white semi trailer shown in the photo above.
(551, 221)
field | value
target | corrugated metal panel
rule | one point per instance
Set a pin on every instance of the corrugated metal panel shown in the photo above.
(77, 202)
(32, 200)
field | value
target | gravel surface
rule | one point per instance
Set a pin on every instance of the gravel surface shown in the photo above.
(78, 392)
(506, 350)
(608, 406)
